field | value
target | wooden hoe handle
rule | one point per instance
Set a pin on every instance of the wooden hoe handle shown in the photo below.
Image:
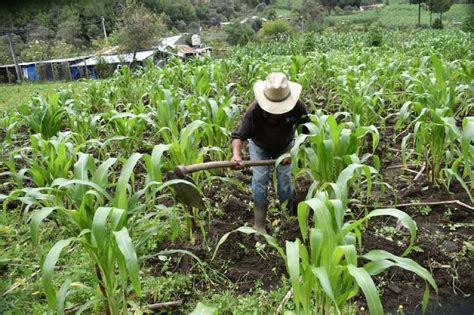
(181, 170)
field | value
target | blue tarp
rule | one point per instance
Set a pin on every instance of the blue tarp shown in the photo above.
(31, 73)
(79, 72)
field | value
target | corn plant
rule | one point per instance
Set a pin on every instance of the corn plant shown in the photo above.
(169, 113)
(83, 124)
(45, 116)
(462, 169)
(360, 96)
(51, 159)
(326, 267)
(220, 119)
(330, 147)
(101, 223)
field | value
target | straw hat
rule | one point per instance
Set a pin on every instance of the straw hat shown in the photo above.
(277, 95)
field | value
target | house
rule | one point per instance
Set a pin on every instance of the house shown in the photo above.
(179, 46)
(91, 67)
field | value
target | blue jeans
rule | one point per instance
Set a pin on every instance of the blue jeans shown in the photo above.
(261, 175)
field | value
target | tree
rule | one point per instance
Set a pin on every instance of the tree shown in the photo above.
(311, 11)
(37, 32)
(274, 29)
(329, 4)
(69, 30)
(419, 2)
(440, 6)
(239, 34)
(179, 10)
(138, 27)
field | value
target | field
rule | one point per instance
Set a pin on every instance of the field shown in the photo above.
(12, 95)
(399, 15)
(92, 220)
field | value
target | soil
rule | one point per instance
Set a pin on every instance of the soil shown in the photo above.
(442, 231)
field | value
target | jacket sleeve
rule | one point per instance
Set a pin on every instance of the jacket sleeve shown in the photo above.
(244, 129)
(304, 118)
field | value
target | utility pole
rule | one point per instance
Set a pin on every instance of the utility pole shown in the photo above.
(302, 24)
(103, 27)
(13, 52)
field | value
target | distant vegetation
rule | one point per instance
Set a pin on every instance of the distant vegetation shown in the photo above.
(63, 28)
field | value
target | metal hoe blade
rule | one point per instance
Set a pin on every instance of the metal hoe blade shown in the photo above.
(189, 194)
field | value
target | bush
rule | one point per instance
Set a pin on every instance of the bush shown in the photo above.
(468, 24)
(437, 24)
(274, 29)
(339, 11)
(238, 34)
(375, 35)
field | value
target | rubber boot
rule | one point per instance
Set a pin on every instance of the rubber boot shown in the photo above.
(260, 212)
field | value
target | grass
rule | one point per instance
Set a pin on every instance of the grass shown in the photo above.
(17, 94)
(402, 15)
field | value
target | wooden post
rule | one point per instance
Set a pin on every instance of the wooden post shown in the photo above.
(85, 69)
(15, 61)
(52, 70)
(8, 75)
(69, 76)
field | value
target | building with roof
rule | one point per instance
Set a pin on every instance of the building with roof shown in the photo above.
(49, 70)
(104, 64)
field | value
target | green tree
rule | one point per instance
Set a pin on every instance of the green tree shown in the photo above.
(440, 6)
(239, 34)
(179, 10)
(419, 2)
(329, 5)
(311, 11)
(138, 28)
(274, 29)
(69, 30)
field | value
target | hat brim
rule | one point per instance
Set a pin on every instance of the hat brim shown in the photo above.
(277, 108)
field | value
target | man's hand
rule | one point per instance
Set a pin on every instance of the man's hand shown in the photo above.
(237, 145)
(286, 160)
(239, 162)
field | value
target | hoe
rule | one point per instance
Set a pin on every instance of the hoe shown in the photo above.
(189, 194)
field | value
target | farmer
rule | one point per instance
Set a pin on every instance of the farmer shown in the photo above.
(269, 126)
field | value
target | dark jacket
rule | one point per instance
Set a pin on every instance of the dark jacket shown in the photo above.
(272, 136)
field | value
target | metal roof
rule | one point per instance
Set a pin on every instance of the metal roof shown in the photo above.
(59, 60)
(110, 59)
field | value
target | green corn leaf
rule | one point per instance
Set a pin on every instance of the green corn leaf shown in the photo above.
(101, 174)
(316, 244)
(221, 241)
(378, 266)
(322, 275)
(404, 263)
(303, 212)
(63, 293)
(202, 309)
(47, 271)
(367, 285)
(404, 218)
(99, 229)
(460, 180)
(121, 190)
(62, 182)
(36, 220)
(426, 299)
(125, 245)
(293, 266)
